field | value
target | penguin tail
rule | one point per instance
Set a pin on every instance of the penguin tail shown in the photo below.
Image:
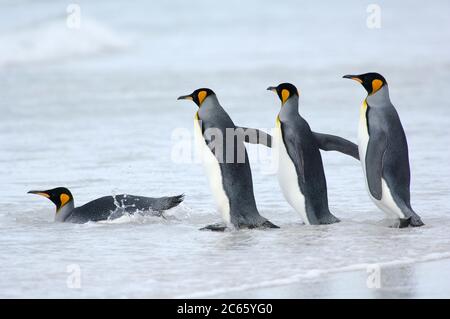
(263, 224)
(416, 221)
(412, 220)
(268, 224)
(166, 203)
(327, 219)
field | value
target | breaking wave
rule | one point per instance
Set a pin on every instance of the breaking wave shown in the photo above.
(51, 40)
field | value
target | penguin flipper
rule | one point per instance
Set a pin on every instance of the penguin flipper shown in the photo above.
(374, 163)
(329, 142)
(255, 136)
(295, 151)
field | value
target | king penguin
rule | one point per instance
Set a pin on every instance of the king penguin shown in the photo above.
(105, 208)
(300, 169)
(383, 150)
(225, 159)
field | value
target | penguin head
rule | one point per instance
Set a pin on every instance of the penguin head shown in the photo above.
(372, 81)
(198, 96)
(284, 91)
(60, 196)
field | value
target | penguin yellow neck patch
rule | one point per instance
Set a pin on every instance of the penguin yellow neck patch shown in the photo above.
(284, 95)
(376, 85)
(363, 111)
(364, 107)
(201, 97)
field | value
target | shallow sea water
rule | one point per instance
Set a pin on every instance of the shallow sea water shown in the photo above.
(102, 118)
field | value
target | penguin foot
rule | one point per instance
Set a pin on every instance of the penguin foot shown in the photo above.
(403, 222)
(166, 203)
(223, 227)
(413, 221)
(215, 227)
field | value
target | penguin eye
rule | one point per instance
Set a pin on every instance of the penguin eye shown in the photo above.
(201, 96)
(376, 85)
(284, 95)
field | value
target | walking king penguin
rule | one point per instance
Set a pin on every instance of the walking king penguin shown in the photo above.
(224, 156)
(300, 169)
(383, 151)
(104, 208)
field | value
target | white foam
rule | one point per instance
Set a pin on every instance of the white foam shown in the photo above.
(313, 273)
(133, 219)
(53, 40)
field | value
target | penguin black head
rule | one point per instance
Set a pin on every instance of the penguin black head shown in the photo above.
(198, 96)
(284, 91)
(372, 81)
(60, 196)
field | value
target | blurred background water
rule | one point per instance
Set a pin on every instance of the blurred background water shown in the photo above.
(94, 109)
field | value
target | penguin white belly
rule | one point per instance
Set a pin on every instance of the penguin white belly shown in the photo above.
(212, 170)
(387, 203)
(287, 177)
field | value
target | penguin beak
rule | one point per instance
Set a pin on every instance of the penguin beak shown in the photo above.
(41, 193)
(185, 97)
(353, 77)
(272, 88)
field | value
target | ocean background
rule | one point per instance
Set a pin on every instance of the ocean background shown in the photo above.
(94, 109)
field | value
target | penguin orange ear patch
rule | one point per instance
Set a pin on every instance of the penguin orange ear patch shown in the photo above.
(64, 199)
(201, 96)
(376, 85)
(284, 95)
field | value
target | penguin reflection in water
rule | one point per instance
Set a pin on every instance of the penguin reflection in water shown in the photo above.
(221, 144)
(107, 207)
(300, 169)
(383, 150)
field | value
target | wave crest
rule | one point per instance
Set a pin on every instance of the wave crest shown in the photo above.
(53, 40)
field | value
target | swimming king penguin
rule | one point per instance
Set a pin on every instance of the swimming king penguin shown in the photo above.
(300, 169)
(226, 162)
(104, 208)
(384, 151)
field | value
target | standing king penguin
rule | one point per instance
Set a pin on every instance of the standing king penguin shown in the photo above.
(300, 169)
(383, 150)
(105, 208)
(226, 162)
